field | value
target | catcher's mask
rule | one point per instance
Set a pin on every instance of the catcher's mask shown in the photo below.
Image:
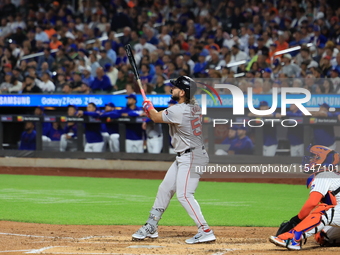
(321, 158)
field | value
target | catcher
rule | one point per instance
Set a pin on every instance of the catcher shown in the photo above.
(322, 206)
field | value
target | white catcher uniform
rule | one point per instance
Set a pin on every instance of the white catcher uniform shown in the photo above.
(323, 183)
(325, 216)
(181, 178)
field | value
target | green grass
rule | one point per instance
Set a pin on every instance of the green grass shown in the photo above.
(106, 201)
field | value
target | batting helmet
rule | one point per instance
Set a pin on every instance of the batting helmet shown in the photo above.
(185, 83)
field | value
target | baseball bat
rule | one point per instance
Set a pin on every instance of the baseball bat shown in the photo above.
(134, 68)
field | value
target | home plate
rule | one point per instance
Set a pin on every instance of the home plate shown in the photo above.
(145, 246)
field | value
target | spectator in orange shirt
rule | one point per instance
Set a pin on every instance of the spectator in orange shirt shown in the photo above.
(281, 43)
(211, 42)
(55, 43)
(49, 31)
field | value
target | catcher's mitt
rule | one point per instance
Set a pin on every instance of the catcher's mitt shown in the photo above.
(288, 225)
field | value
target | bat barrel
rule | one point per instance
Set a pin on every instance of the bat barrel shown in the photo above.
(132, 61)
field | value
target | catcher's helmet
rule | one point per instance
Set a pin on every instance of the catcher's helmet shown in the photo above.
(322, 158)
(185, 83)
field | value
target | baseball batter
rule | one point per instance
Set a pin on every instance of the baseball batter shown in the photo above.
(185, 127)
(322, 207)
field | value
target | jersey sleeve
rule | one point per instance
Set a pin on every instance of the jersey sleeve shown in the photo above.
(321, 184)
(135, 113)
(113, 114)
(91, 114)
(173, 114)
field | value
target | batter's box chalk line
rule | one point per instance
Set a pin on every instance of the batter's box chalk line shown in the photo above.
(224, 251)
(23, 235)
(58, 237)
(13, 251)
(145, 246)
(36, 251)
(92, 237)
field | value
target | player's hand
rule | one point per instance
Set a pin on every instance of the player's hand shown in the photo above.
(147, 106)
(80, 113)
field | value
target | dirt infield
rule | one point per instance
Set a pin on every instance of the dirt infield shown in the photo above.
(28, 238)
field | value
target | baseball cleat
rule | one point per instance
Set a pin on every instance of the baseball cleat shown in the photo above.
(202, 237)
(145, 231)
(290, 244)
(277, 241)
(293, 245)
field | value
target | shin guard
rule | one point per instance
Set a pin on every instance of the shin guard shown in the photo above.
(155, 216)
(313, 221)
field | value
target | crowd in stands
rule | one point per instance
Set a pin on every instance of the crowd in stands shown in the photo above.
(81, 44)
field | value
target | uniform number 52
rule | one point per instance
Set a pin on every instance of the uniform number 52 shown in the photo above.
(196, 126)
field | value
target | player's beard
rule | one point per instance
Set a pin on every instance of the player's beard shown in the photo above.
(175, 97)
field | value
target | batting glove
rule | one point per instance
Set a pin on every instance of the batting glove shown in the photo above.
(147, 106)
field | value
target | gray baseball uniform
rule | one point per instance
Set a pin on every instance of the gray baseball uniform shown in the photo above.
(186, 133)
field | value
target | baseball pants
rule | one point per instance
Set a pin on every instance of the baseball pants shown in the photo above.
(131, 146)
(114, 142)
(134, 146)
(333, 234)
(63, 142)
(106, 138)
(94, 147)
(297, 150)
(182, 179)
(154, 144)
(269, 151)
(44, 138)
